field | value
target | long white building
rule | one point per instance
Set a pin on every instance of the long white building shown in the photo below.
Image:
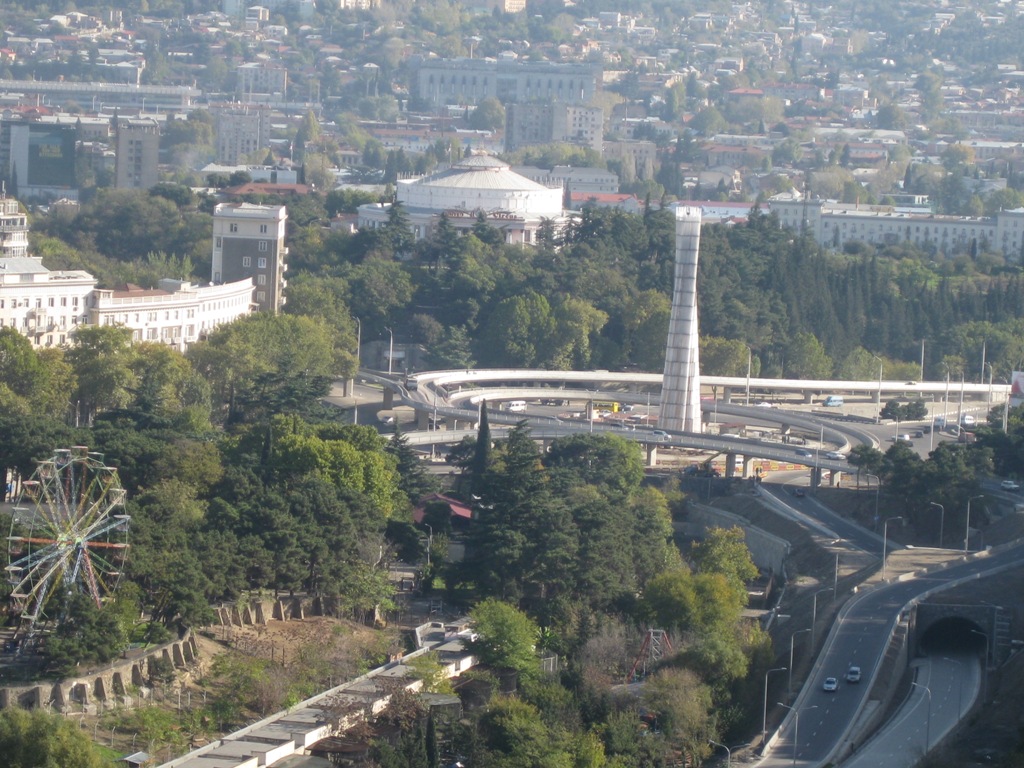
(44, 305)
(178, 313)
(48, 306)
(834, 224)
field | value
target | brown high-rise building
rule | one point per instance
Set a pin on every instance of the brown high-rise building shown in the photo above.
(248, 241)
(137, 148)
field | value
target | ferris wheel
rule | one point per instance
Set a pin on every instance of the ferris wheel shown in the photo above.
(68, 533)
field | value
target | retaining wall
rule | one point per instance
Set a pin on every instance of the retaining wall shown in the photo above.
(120, 683)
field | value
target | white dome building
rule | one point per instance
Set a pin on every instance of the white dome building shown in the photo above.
(512, 203)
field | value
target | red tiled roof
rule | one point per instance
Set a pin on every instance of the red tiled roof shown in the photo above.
(458, 508)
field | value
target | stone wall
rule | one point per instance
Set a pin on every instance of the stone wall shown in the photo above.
(121, 683)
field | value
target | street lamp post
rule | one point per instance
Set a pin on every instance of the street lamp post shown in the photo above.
(928, 724)
(750, 359)
(796, 728)
(942, 518)
(814, 615)
(967, 531)
(960, 694)
(764, 711)
(881, 367)
(359, 340)
(885, 540)
(984, 665)
(792, 643)
(391, 349)
(728, 752)
(878, 488)
(430, 541)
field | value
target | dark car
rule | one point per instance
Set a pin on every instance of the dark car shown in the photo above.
(804, 452)
(799, 492)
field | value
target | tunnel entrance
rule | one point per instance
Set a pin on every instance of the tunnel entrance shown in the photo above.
(953, 636)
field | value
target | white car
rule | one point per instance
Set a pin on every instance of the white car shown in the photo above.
(831, 685)
(1009, 485)
(834, 455)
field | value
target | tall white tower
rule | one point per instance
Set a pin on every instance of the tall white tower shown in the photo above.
(680, 389)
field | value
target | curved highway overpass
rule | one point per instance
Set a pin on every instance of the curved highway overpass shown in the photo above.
(453, 395)
(731, 384)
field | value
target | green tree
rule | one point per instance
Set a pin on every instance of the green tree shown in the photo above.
(85, 634)
(725, 357)
(685, 710)
(806, 358)
(102, 362)
(724, 551)
(489, 115)
(506, 637)
(265, 364)
(38, 739)
(413, 481)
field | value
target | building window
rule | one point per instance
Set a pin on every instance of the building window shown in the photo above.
(232, 227)
(263, 229)
(264, 246)
(50, 301)
(261, 279)
(261, 296)
(247, 261)
(218, 242)
(261, 263)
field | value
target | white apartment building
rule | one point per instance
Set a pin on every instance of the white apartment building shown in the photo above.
(248, 242)
(833, 224)
(43, 305)
(178, 313)
(13, 228)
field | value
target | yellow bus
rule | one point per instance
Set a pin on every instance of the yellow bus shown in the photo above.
(606, 405)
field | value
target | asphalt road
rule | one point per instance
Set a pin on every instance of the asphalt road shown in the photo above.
(947, 687)
(860, 636)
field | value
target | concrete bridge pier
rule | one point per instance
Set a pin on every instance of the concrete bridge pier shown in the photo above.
(389, 399)
(422, 420)
(726, 395)
(730, 465)
(746, 465)
(815, 478)
(652, 454)
(808, 398)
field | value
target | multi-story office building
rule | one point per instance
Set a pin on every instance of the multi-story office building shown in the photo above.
(241, 130)
(13, 228)
(439, 82)
(137, 152)
(261, 78)
(248, 242)
(544, 123)
(833, 224)
(37, 159)
(43, 305)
